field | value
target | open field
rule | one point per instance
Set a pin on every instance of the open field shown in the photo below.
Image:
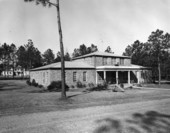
(30, 110)
(18, 98)
(152, 116)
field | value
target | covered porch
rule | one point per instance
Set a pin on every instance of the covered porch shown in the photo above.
(117, 77)
(118, 74)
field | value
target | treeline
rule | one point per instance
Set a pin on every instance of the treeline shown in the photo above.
(28, 56)
(155, 53)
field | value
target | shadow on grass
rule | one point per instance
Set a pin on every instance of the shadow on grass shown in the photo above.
(82, 93)
(68, 97)
(149, 122)
(41, 90)
(8, 87)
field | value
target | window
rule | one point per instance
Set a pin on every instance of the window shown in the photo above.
(121, 61)
(104, 61)
(113, 61)
(109, 61)
(117, 61)
(74, 76)
(84, 76)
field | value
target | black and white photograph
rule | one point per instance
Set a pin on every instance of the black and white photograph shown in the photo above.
(84, 66)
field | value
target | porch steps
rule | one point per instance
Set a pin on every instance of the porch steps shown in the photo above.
(127, 86)
(116, 88)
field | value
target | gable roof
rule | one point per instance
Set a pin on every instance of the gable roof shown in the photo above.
(106, 54)
(68, 65)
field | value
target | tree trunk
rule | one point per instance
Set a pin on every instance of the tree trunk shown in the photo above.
(63, 92)
(6, 68)
(159, 71)
(13, 69)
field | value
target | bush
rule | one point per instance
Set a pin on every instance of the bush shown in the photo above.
(56, 86)
(100, 87)
(80, 85)
(103, 86)
(28, 82)
(72, 86)
(40, 86)
(34, 83)
(91, 85)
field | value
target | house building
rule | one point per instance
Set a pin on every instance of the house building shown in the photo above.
(96, 68)
(17, 72)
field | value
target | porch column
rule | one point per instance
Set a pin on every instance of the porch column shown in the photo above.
(128, 77)
(104, 75)
(137, 73)
(96, 78)
(117, 78)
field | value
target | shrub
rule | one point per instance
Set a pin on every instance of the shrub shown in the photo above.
(56, 86)
(40, 86)
(28, 82)
(72, 86)
(34, 83)
(91, 85)
(105, 85)
(80, 85)
(100, 87)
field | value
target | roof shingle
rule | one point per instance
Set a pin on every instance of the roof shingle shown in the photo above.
(68, 64)
(101, 54)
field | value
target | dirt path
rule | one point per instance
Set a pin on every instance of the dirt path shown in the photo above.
(83, 120)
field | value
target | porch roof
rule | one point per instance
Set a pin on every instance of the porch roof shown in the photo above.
(131, 67)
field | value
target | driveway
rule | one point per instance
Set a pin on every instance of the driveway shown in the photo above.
(145, 116)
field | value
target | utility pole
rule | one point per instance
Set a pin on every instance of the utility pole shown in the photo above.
(63, 93)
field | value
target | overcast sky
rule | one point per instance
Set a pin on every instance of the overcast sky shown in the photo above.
(115, 23)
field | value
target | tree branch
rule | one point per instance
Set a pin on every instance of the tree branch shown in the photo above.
(51, 3)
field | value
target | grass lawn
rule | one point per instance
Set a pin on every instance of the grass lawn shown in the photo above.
(18, 98)
(162, 85)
